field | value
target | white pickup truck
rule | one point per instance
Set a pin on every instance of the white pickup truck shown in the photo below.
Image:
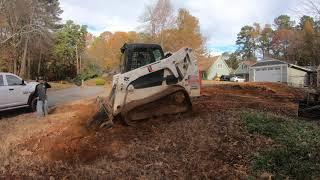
(16, 93)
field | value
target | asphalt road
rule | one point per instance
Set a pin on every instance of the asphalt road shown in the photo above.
(59, 97)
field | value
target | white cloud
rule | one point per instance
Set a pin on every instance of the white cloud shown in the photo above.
(220, 20)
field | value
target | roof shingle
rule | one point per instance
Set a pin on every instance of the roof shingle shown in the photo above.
(268, 63)
(249, 62)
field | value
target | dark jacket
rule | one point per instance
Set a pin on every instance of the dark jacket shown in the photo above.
(42, 91)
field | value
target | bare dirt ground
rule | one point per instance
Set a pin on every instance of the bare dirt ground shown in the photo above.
(210, 142)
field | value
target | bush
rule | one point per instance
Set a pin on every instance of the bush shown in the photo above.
(297, 154)
(91, 71)
(100, 82)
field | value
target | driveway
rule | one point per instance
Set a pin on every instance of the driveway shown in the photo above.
(59, 97)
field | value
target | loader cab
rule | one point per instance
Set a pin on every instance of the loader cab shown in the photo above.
(137, 55)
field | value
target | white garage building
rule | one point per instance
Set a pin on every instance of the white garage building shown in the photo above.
(272, 70)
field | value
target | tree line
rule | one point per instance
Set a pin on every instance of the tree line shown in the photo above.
(34, 41)
(160, 25)
(294, 42)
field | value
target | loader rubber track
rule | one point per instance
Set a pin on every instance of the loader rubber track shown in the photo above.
(173, 100)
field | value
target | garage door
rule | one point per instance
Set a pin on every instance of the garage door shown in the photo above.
(268, 74)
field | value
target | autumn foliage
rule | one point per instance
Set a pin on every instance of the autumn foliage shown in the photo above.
(105, 49)
(297, 43)
(34, 43)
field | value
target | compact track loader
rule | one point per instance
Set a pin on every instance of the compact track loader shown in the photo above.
(149, 84)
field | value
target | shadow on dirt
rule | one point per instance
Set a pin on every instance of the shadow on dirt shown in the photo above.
(14, 112)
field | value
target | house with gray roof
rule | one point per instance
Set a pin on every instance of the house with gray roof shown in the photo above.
(214, 67)
(243, 69)
(273, 70)
(218, 68)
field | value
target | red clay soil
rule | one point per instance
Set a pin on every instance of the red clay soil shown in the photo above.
(210, 142)
(271, 97)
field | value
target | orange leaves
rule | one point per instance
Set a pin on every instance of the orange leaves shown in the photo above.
(284, 35)
(105, 49)
(308, 27)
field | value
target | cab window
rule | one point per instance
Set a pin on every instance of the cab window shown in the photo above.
(13, 81)
(140, 58)
(157, 54)
(1, 81)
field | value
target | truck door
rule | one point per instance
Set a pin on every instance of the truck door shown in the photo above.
(16, 95)
(3, 93)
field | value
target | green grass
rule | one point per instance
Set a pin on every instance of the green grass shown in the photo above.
(296, 153)
(100, 81)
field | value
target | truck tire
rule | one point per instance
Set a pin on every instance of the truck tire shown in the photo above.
(33, 104)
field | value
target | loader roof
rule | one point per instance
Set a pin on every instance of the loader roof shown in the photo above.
(139, 45)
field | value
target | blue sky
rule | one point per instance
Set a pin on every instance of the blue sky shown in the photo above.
(220, 20)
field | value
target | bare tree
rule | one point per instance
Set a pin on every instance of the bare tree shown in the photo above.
(158, 17)
(314, 7)
(22, 24)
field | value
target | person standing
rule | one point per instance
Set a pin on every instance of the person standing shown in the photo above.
(42, 103)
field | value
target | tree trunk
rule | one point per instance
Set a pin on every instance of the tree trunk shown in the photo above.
(39, 63)
(80, 64)
(15, 66)
(23, 60)
(77, 59)
(28, 67)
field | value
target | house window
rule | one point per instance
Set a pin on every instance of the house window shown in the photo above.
(204, 75)
(277, 68)
(264, 69)
(270, 69)
(220, 66)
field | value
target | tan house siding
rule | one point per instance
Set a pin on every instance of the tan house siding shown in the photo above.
(218, 68)
(297, 78)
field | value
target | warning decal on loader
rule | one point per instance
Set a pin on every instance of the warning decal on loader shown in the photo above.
(194, 82)
(150, 69)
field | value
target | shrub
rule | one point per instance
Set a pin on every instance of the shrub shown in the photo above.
(91, 71)
(100, 82)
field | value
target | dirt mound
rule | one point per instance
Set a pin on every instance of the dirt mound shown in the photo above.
(276, 98)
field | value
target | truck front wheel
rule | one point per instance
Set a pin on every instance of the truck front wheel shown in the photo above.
(33, 104)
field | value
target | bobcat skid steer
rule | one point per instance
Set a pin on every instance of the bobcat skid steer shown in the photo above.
(149, 84)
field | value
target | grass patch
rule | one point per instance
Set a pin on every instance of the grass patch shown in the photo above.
(296, 152)
(100, 82)
(58, 85)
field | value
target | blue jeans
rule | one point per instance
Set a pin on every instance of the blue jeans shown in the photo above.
(42, 108)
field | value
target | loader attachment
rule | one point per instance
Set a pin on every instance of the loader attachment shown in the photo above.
(103, 115)
(309, 111)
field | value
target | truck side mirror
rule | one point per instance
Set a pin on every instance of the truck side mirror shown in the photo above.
(23, 83)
